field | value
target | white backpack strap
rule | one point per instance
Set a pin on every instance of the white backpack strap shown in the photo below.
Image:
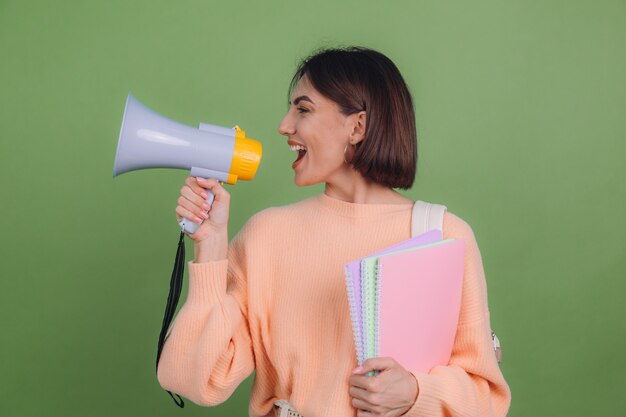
(426, 217)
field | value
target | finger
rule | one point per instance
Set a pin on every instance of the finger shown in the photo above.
(215, 187)
(363, 413)
(198, 211)
(362, 405)
(375, 364)
(183, 212)
(192, 182)
(195, 194)
(358, 393)
(198, 200)
(367, 383)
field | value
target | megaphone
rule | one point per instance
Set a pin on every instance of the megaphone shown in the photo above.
(149, 140)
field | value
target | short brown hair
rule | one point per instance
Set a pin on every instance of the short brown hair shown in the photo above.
(361, 79)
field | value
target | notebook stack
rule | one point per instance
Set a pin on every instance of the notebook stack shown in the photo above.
(405, 301)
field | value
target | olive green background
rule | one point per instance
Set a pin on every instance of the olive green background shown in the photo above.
(521, 112)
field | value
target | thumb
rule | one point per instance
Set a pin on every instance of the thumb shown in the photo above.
(374, 364)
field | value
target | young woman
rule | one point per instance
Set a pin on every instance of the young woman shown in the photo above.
(275, 302)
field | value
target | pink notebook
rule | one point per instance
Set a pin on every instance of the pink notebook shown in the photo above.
(353, 284)
(419, 303)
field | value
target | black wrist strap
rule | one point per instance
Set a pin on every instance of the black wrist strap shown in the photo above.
(176, 285)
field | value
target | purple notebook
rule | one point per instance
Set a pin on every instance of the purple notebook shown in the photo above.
(353, 282)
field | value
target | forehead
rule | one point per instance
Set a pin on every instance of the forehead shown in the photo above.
(304, 89)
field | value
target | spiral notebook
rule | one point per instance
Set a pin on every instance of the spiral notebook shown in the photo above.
(353, 284)
(410, 296)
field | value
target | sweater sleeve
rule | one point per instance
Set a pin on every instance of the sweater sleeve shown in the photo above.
(471, 384)
(208, 352)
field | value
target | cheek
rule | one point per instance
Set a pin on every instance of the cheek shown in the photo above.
(326, 142)
(326, 156)
(328, 147)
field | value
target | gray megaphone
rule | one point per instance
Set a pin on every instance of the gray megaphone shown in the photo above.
(149, 140)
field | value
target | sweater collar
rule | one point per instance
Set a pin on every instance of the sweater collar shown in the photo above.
(357, 210)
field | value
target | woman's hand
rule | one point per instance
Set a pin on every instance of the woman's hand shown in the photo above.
(211, 238)
(390, 393)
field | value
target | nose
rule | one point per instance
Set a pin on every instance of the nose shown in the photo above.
(287, 126)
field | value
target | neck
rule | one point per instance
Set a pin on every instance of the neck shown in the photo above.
(353, 188)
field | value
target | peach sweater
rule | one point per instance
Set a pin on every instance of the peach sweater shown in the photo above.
(278, 306)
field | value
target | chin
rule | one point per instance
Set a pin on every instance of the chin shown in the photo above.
(301, 183)
(305, 182)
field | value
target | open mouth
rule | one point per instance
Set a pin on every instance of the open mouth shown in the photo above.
(301, 150)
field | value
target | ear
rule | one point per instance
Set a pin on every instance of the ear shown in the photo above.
(358, 129)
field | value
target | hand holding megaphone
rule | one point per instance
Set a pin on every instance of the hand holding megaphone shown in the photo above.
(193, 205)
(149, 140)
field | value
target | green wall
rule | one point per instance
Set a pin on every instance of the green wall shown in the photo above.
(521, 114)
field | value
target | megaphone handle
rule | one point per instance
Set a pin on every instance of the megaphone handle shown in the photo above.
(190, 227)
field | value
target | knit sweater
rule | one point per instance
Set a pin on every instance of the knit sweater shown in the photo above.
(278, 306)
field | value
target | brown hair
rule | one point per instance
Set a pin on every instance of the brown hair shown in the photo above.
(361, 79)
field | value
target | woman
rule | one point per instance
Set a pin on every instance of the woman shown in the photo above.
(275, 302)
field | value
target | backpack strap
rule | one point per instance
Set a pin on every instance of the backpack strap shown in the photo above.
(426, 216)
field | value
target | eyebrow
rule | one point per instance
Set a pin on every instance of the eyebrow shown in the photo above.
(302, 98)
